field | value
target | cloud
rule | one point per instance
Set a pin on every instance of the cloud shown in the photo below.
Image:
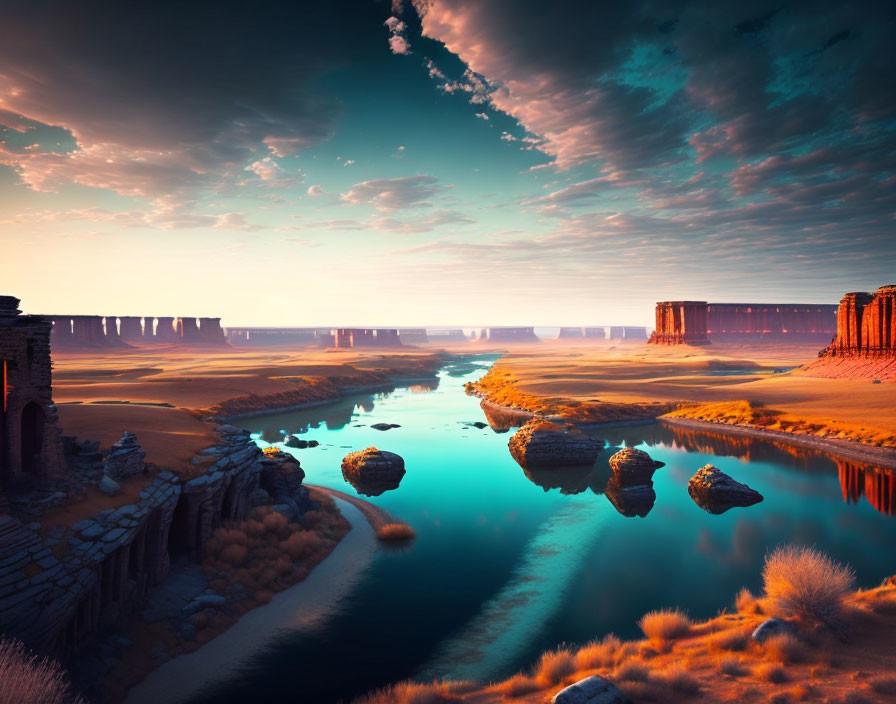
(348, 162)
(398, 43)
(387, 194)
(154, 112)
(416, 225)
(315, 191)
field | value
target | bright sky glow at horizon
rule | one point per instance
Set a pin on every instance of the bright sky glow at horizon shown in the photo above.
(443, 162)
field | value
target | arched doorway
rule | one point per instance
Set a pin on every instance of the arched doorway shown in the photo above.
(32, 437)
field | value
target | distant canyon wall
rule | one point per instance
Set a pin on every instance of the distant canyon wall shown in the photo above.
(701, 322)
(97, 331)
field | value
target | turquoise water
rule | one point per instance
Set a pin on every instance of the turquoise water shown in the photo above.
(505, 566)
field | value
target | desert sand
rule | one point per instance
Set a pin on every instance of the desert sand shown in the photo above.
(751, 385)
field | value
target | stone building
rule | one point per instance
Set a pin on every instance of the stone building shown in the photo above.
(30, 443)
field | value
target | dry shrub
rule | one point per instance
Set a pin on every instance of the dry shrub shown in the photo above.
(599, 653)
(679, 680)
(555, 666)
(733, 667)
(747, 603)
(27, 679)
(771, 672)
(234, 554)
(396, 531)
(274, 522)
(883, 685)
(632, 672)
(302, 544)
(733, 639)
(801, 693)
(664, 625)
(412, 693)
(784, 647)
(806, 584)
(518, 686)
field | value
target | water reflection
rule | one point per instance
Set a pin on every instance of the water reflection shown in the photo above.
(877, 484)
(503, 419)
(572, 480)
(371, 487)
(631, 501)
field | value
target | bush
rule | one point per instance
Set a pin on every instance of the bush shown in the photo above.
(411, 693)
(733, 639)
(602, 653)
(732, 667)
(555, 666)
(301, 545)
(806, 584)
(396, 531)
(771, 673)
(746, 602)
(784, 648)
(680, 681)
(518, 686)
(632, 672)
(664, 625)
(27, 679)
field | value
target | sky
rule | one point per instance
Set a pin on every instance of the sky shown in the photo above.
(443, 162)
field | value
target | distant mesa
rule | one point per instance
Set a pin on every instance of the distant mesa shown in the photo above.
(510, 335)
(109, 331)
(701, 323)
(372, 471)
(542, 444)
(865, 341)
(606, 332)
(716, 492)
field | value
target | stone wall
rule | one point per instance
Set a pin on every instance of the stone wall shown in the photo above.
(866, 325)
(59, 589)
(30, 443)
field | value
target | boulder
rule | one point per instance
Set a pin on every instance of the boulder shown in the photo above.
(773, 627)
(125, 457)
(541, 443)
(591, 690)
(372, 468)
(108, 485)
(716, 492)
(632, 467)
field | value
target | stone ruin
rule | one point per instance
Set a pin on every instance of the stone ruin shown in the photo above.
(30, 444)
(92, 331)
(700, 323)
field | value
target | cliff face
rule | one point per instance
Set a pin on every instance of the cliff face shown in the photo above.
(680, 323)
(866, 325)
(60, 588)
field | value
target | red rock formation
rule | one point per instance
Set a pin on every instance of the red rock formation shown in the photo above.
(866, 325)
(211, 333)
(680, 323)
(877, 484)
(773, 321)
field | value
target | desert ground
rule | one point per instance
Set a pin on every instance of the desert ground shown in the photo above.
(753, 385)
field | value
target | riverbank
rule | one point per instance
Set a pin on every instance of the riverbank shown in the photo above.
(306, 606)
(713, 661)
(747, 386)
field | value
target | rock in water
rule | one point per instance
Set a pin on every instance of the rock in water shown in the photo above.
(591, 690)
(373, 471)
(125, 457)
(631, 501)
(541, 443)
(384, 426)
(632, 467)
(716, 492)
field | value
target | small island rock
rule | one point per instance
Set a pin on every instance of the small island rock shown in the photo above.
(541, 443)
(632, 467)
(372, 466)
(716, 492)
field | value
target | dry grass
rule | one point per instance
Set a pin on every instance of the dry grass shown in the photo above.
(396, 532)
(413, 693)
(599, 653)
(884, 685)
(664, 625)
(731, 640)
(747, 603)
(518, 686)
(732, 666)
(784, 648)
(631, 672)
(679, 680)
(806, 584)
(555, 666)
(27, 679)
(770, 672)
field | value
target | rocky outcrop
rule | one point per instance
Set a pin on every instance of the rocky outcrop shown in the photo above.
(716, 492)
(125, 457)
(630, 489)
(866, 327)
(542, 443)
(632, 466)
(591, 690)
(281, 479)
(772, 627)
(373, 471)
(680, 323)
